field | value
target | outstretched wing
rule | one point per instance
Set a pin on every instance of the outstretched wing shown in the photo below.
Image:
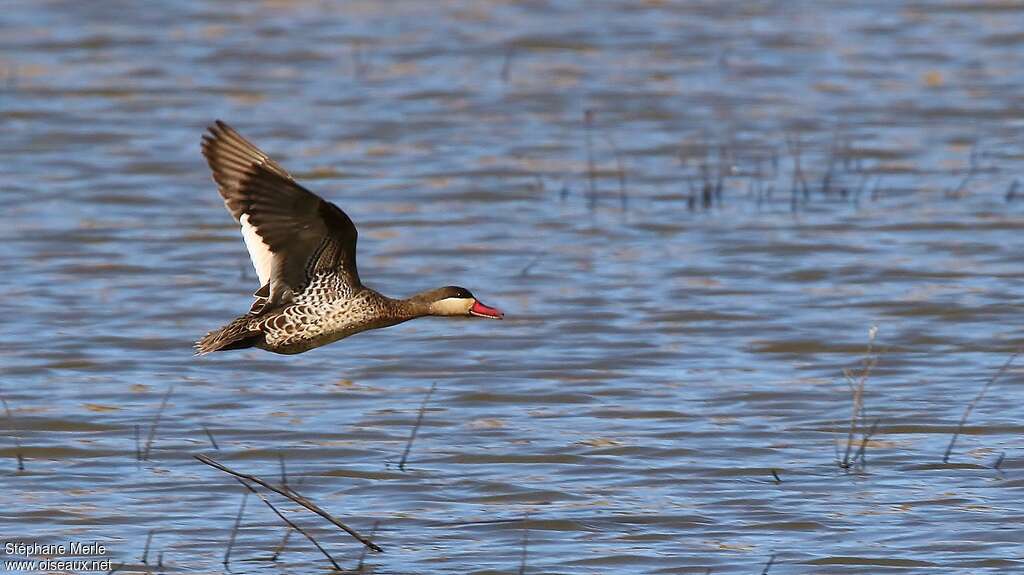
(291, 233)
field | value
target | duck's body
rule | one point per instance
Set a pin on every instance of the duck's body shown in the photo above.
(326, 311)
(303, 249)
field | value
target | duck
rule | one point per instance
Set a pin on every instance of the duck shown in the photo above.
(304, 251)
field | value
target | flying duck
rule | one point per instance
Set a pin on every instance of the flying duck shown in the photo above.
(304, 252)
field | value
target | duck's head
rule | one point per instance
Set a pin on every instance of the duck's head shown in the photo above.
(457, 301)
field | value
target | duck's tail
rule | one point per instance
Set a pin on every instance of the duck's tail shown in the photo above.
(239, 334)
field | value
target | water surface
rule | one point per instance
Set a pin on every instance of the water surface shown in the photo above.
(682, 294)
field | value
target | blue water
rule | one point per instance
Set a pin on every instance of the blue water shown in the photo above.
(664, 349)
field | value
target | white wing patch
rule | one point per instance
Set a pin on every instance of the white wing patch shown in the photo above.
(259, 251)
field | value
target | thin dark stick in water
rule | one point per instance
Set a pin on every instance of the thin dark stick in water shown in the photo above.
(857, 387)
(981, 394)
(234, 530)
(775, 474)
(588, 123)
(362, 556)
(14, 433)
(858, 398)
(156, 422)
(288, 534)
(138, 444)
(526, 541)
(876, 191)
(621, 169)
(771, 561)
(858, 408)
(416, 427)
(538, 183)
(795, 145)
(283, 544)
(360, 65)
(526, 269)
(160, 560)
(972, 170)
(506, 65)
(289, 522)
(826, 179)
(293, 496)
(724, 161)
(999, 461)
(212, 440)
(1011, 193)
(145, 550)
(284, 472)
(861, 454)
(707, 188)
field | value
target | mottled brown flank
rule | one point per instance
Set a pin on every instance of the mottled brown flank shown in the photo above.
(328, 309)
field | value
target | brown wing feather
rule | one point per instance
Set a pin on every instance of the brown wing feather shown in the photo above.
(230, 156)
(304, 233)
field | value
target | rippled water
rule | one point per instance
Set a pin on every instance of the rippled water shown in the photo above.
(621, 179)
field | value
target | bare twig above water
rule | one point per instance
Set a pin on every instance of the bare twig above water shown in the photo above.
(768, 565)
(1012, 192)
(213, 441)
(830, 165)
(856, 385)
(588, 127)
(621, 170)
(799, 186)
(145, 550)
(15, 435)
(525, 543)
(138, 443)
(538, 184)
(724, 162)
(360, 62)
(506, 64)
(775, 474)
(999, 462)
(416, 427)
(284, 543)
(972, 170)
(526, 269)
(288, 533)
(156, 422)
(857, 408)
(292, 495)
(978, 398)
(707, 188)
(234, 530)
(289, 522)
(861, 454)
(362, 556)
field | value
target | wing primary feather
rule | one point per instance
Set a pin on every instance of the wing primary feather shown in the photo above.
(290, 232)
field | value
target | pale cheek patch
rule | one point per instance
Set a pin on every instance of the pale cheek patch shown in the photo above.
(259, 252)
(452, 306)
